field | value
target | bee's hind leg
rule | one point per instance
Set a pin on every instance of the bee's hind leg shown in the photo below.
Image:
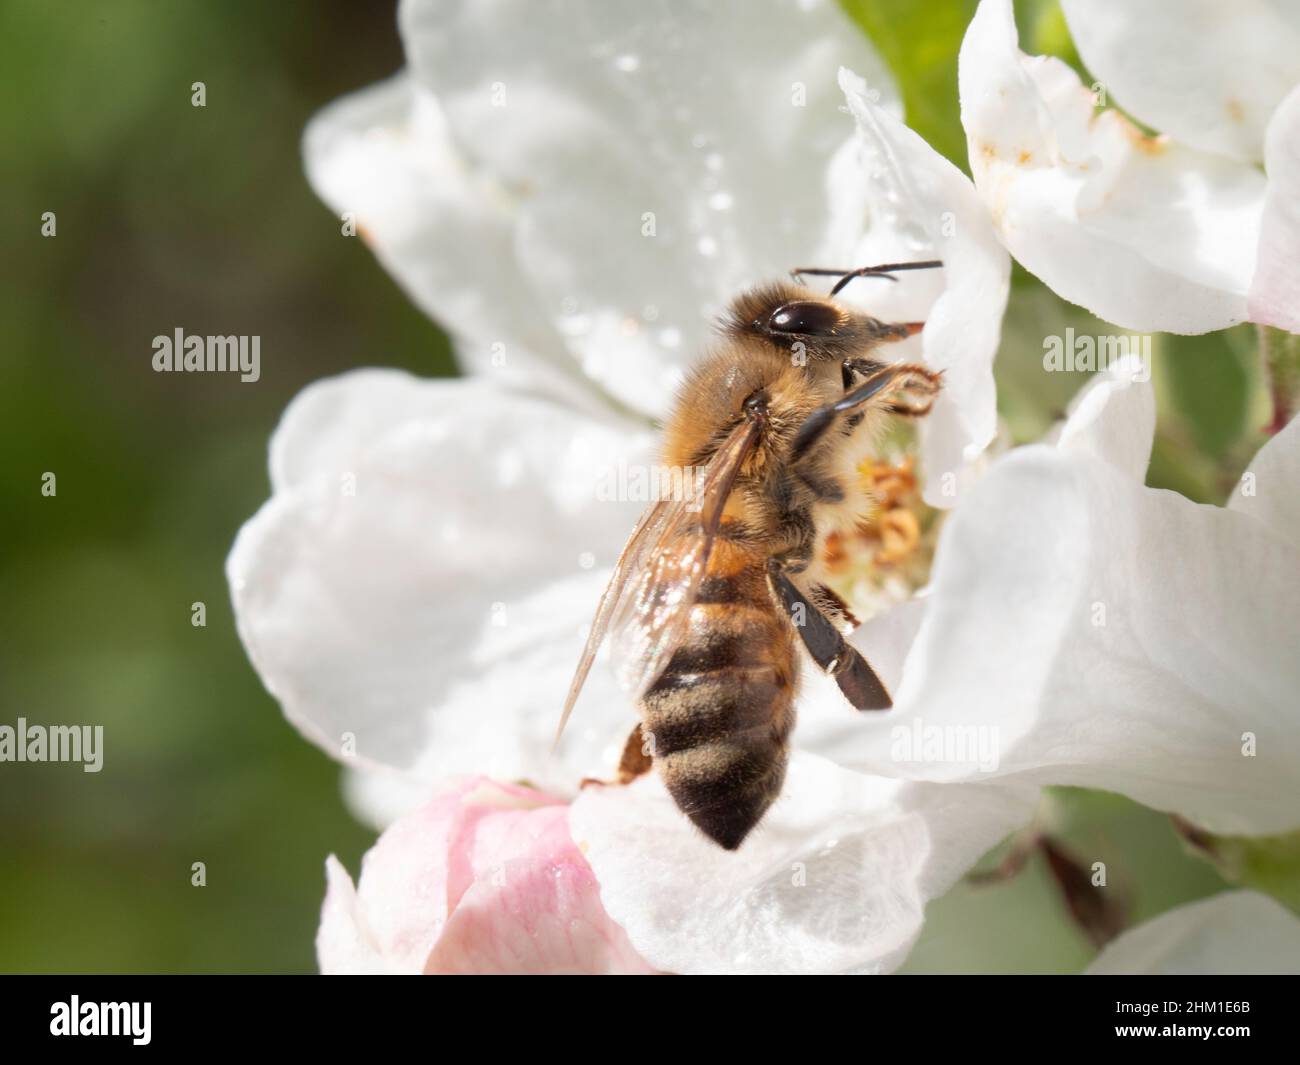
(636, 760)
(637, 756)
(826, 644)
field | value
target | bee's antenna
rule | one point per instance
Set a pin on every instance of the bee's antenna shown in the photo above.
(886, 270)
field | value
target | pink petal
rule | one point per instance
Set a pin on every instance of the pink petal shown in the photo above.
(484, 878)
(533, 908)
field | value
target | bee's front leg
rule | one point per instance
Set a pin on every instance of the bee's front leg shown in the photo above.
(918, 387)
(903, 380)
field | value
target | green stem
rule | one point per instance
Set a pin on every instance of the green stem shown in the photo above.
(1270, 864)
(1280, 353)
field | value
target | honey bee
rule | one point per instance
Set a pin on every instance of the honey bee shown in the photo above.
(714, 587)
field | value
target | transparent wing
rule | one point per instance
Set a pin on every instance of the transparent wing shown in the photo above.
(633, 557)
(648, 601)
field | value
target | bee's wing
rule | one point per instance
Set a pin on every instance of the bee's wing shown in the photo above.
(635, 553)
(649, 598)
(651, 619)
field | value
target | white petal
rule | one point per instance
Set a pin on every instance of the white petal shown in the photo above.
(1237, 933)
(443, 227)
(898, 200)
(835, 878)
(1146, 233)
(450, 579)
(1275, 291)
(345, 944)
(598, 116)
(377, 797)
(1208, 74)
(1267, 491)
(1113, 418)
(827, 725)
(329, 427)
(1112, 636)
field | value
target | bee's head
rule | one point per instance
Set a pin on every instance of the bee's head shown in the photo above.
(818, 327)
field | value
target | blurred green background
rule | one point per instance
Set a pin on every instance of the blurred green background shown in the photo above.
(170, 215)
(167, 215)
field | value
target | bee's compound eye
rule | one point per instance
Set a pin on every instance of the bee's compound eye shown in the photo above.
(805, 317)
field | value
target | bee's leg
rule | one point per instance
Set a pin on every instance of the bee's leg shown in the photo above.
(635, 761)
(827, 646)
(824, 489)
(898, 377)
(830, 604)
(928, 388)
(857, 366)
(637, 758)
(904, 410)
(917, 383)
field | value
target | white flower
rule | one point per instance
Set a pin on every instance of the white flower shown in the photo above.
(1079, 627)
(1237, 933)
(1275, 291)
(574, 199)
(1114, 636)
(1152, 233)
(834, 879)
(589, 187)
(431, 621)
(416, 590)
(917, 205)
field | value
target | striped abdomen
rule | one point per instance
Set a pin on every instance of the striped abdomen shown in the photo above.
(721, 712)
